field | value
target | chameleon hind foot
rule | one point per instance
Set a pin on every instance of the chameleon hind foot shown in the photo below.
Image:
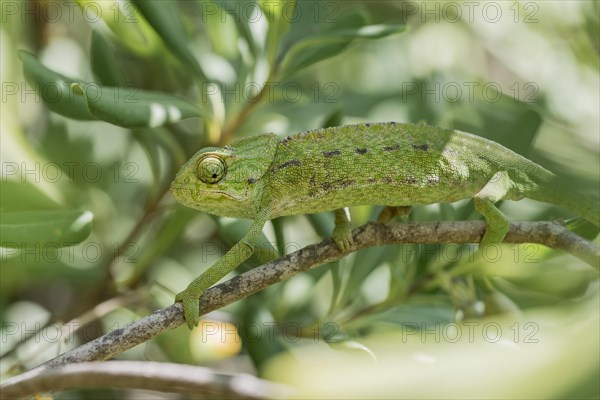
(485, 202)
(342, 233)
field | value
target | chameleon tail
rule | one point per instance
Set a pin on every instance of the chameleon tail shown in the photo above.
(582, 205)
(550, 189)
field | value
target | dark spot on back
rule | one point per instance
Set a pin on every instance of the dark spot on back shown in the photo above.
(361, 151)
(332, 153)
(422, 147)
(337, 184)
(368, 124)
(345, 184)
(251, 180)
(294, 163)
(391, 148)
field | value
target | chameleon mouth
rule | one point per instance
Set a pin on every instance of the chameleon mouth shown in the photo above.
(180, 186)
(183, 191)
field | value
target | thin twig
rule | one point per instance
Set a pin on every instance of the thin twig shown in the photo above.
(69, 328)
(550, 234)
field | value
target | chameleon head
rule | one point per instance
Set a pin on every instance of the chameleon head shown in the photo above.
(226, 181)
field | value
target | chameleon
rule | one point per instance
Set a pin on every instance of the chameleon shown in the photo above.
(389, 164)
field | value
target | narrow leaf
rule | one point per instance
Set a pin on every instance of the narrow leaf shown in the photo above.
(126, 23)
(132, 108)
(279, 23)
(241, 18)
(165, 19)
(54, 88)
(40, 229)
(103, 62)
(325, 45)
(123, 106)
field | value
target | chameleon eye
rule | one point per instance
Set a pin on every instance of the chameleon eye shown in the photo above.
(211, 169)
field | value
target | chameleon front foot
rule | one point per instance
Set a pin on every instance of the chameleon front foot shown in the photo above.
(191, 307)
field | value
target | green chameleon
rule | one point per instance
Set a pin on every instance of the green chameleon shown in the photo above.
(391, 164)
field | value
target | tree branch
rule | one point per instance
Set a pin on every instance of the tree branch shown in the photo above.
(148, 375)
(550, 234)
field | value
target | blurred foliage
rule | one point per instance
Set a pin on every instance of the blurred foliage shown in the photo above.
(120, 94)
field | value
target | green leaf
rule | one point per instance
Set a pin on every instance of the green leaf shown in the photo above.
(241, 19)
(363, 265)
(333, 119)
(147, 139)
(20, 195)
(44, 268)
(499, 116)
(165, 18)
(417, 315)
(123, 106)
(279, 24)
(131, 108)
(329, 43)
(103, 62)
(321, 223)
(582, 228)
(37, 229)
(260, 348)
(127, 24)
(54, 88)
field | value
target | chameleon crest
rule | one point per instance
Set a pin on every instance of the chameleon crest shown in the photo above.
(225, 181)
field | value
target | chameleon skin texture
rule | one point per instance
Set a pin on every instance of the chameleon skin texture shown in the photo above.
(391, 164)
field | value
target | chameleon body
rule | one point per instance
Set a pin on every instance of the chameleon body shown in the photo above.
(391, 164)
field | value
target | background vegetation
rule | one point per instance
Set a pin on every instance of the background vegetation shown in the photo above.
(91, 237)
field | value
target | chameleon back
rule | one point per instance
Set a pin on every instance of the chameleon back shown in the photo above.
(374, 164)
